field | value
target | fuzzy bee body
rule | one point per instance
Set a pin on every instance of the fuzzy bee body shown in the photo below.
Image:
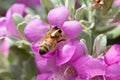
(50, 40)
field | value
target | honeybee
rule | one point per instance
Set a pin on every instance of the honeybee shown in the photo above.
(50, 40)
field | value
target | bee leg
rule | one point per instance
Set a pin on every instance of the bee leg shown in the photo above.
(61, 40)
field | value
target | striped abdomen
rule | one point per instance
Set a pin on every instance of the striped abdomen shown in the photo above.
(45, 47)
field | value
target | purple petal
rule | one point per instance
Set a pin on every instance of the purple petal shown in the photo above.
(113, 71)
(94, 67)
(30, 3)
(65, 52)
(35, 30)
(4, 47)
(43, 64)
(113, 55)
(72, 29)
(16, 8)
(77, 4)
(116, 3)
(64, 72)
(43, 76)
(3, 30)
(80, 50)
(58, 16)
(89, 67)
(78, 64)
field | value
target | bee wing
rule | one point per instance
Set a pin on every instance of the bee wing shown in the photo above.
(38, 43)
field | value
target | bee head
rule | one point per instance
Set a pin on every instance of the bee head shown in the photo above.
(56, 33)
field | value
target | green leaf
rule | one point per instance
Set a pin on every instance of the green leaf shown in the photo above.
(86, 35)
(104, 28)
(3, 61)
(117, 17)
(5, 74)
(113, 12)
(29, 11)
(70, 4)
(20, 53)
(24, 44)
(17, 18)
(5, 4)
(86, 24)
(29, 70)
(107, 4)
(12, 58)
(57, 2)
(28, 17)
(21, 27)
(99, 46)
(114, 33)
(83, 2)
(81, 13)
(47, 4)
(83, 41)
(16, 71)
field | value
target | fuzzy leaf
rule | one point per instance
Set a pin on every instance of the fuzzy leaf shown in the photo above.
(83, 2)
(3, 61)
(17, 18)
(47, 4)
(29, 70)
(21, 53)
(100, 43)
(70, 4)
(5, 4)
(86, 35)
(21, 27)
(24, 44)
(107, 4)
(117, 17)
(5, 74)
(57, 2)
(29, 11)
(16, 71)
(86, 24)
(114, 11)
(83, 41)
(81, 13)
(114, 33)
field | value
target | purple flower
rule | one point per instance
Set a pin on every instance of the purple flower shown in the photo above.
(113, 55)
(112, 59)
(10, 26)
(113, 72)
(4, 47)
(36, 29)
(77, 4)
(29, 3)
(49, 70)
(3, 30)
(88, 67)
(71, 28)
(116, 3)
(63, 72)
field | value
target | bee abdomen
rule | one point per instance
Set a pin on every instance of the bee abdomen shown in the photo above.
(44, 49)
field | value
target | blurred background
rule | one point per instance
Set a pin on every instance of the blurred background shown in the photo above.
(16, 57)
(16, 62)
